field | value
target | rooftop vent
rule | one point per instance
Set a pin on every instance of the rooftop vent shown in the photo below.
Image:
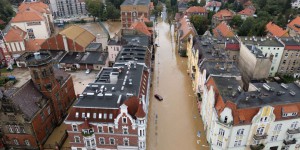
(130, 81)
(129, 94)
(122, 88)
(280, 93)
(267, 87)
(292, 93)
(90, 93)
(239, 88)
(113, 89)
(284, 85)
(229, 87)
(108, 94)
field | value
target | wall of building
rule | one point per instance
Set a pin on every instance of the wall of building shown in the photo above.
(113, 51)
(40, 31)
(14, 47)
(130, 13)
(290, 63)
(67, 8)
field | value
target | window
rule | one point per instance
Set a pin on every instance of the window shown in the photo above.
(256, 142)
(219, 143)
(276, 54)
(88, 115)
(101, 141)
(100, 115)
(42, 116)
(225, 120)
(126, 141)
(278, 127)
(83, 115)
(221, 132)
(77, 114)
(49, 110)
(10, 129)
(294, 125)
(112, 141)
(17, 129)
(100, 129)
(284, 61)
(93, 142)
(240, 132)
(27, 142)
(272, 68)
(124, 120)
(110, 130)
(237, 143)
(22, 130)
(110, 116)
(77, 139)
(104, 116)
(274, 138)
(75, 127)
(286, 55)
(294, 114)
(125, 130)
(286, 147)
(260, 130)
(16, 142)
(95, 115)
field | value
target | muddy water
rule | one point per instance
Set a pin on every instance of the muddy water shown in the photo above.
(174, 122)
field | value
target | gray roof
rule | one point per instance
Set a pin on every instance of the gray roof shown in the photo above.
(131, 53)
(72, 58)
(96, 57)
(290, 41)
(135, 40)
(136, 2)
(277, 96)
(27, 98)
(112, 92)
(227, 87)
(94, 47)
(261, 41)
(220, 68)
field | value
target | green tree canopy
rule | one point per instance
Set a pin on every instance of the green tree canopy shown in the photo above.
(6, 11)
(200, 23)
(236, 21)
(95, 8)
(113, 12)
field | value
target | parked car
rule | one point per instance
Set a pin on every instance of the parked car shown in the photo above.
(88, 71)
(158, 97)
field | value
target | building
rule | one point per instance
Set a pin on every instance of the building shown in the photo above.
(114, 46)
(30, 113)
(68, 8)
(295, 4)
(270, 47)
(131, 10)
(35, 19)
(232, 48)
(196, 10)
(294, 27)
(223, 31)
(274, 30)
(247, 12)
(253, 64)
(289, 64)
(184, 29)
(182, 6)
(222, 15)
(111, 113)
(265, 117)
(73, 39)
(213, 6)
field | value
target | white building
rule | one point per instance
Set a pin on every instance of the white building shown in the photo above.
(261, 118)
(113, 48)
(68, 8)
(295, 4)
(34, 18)
(270, 47)
(213, 6)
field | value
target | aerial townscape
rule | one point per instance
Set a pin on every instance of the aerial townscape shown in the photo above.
(149, 74)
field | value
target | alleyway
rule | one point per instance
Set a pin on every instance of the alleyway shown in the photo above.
(174, 122)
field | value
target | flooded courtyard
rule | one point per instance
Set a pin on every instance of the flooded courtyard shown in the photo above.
(174, 122)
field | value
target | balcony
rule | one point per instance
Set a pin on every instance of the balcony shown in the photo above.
(257, 147)
(289, 142)
(260, 137)
(293, 131)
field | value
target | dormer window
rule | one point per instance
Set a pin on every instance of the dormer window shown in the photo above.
(225, 120)
(290, 111)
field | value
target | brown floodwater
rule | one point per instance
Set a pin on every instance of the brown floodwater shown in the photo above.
(174, 122)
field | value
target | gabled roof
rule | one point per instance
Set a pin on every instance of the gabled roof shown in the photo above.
(223, 30)
(185, 28)
(141, 26)
(15, 34)
(140, 112)
(247, 12)
(79, 35)
(27, 16)
(275, 30)
(196, 9)
(295, 24)
(224, 13)
(213, 4)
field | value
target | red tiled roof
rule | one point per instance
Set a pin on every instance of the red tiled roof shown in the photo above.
(141, 26)
(38, 6)
(27, 15)
(185, 27)
(247, 11)
(213, 4)
(223, 30)
(196, 9)
(290, 109)
(140, 112)
(34, 44)
(233, 46)
(224, 13)
(132, 105)
(15, 34)
(292, 47)
(275, 30)
(295, 24)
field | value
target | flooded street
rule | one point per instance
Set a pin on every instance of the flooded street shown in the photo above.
(174, 122)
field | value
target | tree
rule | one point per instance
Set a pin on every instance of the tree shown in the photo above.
(94, 8)
(245, 28)
(236, 21)
(202, 3)
(113, 12)
(193, 3)
(200, 23)
(6, 11)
